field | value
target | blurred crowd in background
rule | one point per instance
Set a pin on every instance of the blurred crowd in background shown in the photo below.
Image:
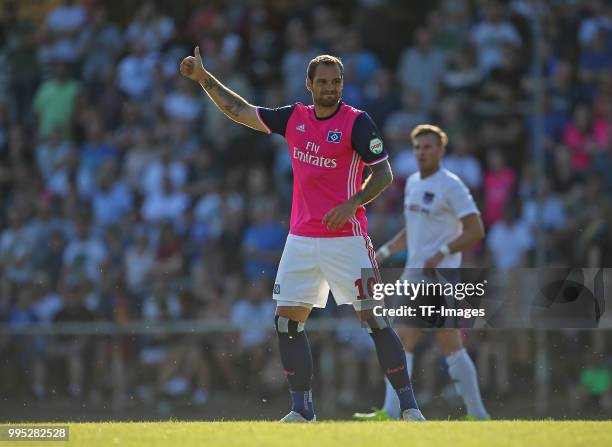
(126, 195)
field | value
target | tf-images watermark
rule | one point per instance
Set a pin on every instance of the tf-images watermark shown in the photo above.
(544, 298)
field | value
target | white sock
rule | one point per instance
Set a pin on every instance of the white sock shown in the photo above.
(392, 405)
(409, 360)
(463, 372)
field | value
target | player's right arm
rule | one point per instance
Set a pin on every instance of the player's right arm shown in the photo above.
(230, 103)
(397, 243)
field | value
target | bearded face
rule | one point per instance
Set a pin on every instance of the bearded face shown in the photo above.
(326, 85)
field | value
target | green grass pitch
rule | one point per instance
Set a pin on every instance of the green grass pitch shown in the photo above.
(346, 434)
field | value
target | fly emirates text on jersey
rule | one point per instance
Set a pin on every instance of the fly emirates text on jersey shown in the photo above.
(310, 156)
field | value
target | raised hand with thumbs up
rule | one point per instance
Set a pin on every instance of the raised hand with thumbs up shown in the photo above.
(192, 68)
(229, 102)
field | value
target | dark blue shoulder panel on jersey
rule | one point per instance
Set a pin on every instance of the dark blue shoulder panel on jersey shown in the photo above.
(276, 119)
(363, 139)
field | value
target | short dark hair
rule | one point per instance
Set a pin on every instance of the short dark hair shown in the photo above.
(429, 129)
(324, 59)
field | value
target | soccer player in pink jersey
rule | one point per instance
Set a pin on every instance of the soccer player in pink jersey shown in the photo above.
(330, 143)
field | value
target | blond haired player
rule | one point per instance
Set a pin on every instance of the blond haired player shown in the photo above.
(442, 221)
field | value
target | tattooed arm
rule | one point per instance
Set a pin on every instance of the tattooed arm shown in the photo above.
(380, 178)
(230, 103)
(377, 182)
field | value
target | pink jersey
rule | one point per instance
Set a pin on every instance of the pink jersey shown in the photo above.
(328, 156)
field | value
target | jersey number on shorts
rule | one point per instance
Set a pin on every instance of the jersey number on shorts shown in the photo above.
(370, 283)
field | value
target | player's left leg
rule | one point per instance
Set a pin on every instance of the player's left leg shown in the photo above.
(462, 371)
(409, 338)
(391, 357)
(345, 258)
